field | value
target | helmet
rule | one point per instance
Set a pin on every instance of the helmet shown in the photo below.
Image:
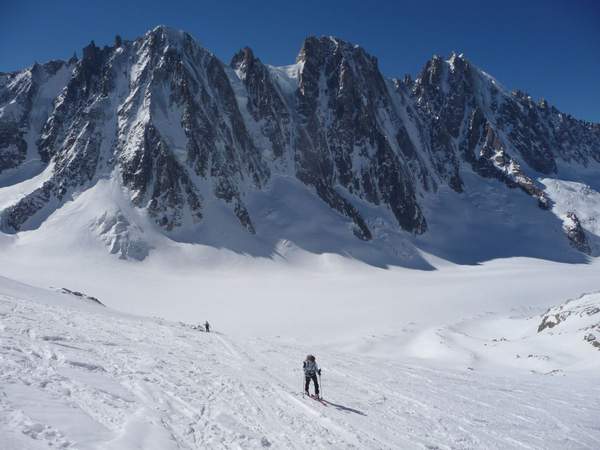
(310, 357)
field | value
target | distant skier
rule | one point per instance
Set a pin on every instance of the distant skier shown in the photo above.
(311, 369)
(207, 326)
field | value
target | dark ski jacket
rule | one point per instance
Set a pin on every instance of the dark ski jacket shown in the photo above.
(310, 368)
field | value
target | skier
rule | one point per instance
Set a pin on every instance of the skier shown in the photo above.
(207, 326)
(311, 369)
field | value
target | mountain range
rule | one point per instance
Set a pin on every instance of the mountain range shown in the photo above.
(327, 154)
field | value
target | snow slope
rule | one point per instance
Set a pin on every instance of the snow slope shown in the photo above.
(78, 375)
(581, 199)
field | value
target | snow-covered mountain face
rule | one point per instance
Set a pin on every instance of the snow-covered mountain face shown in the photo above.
(185, 137)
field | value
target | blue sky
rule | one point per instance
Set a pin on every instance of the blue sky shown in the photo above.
(550, 49)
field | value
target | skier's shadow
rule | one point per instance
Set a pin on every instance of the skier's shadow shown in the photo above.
(344, 408)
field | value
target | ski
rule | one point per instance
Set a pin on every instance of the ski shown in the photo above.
(318, 399)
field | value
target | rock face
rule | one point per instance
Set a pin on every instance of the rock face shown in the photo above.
(576, 234)
(179, 129)
(81, 295)
(345, 110)
(25, 103)
(473, 119)
(579, 316)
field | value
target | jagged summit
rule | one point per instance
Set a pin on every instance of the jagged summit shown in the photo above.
(242, 61)
(320, 47)
(189, 139)
(170, 34)
(165, 29)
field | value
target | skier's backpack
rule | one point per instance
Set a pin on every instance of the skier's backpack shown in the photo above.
(310, 366)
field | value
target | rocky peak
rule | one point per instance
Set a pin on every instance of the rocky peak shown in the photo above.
(73, 59)
(431, 74)
(168, 35)
(265, 102)
(328, 50)
(441, 77)
(164, 43)
(457, 62)
(333, 68)
(91, 62)
(243, 62)
(242, 58)
(346, 107)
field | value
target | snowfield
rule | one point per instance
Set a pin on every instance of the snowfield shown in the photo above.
(75, 374)
(472, 336)
(435, 243)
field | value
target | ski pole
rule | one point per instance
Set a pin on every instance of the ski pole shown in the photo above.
(321, 386)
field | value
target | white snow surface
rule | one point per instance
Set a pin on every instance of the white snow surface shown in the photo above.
(425, 342)
(75, 374)
(581, 199)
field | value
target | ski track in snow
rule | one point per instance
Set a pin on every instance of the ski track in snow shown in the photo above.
(93, 378)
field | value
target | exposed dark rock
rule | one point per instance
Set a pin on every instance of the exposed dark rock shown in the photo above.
(25, 110)
(343, 104)
(265, 102)
(14, 217)
(13, 147)
(580, 307)
(592, 339)
(82, 296)
(576, 234)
